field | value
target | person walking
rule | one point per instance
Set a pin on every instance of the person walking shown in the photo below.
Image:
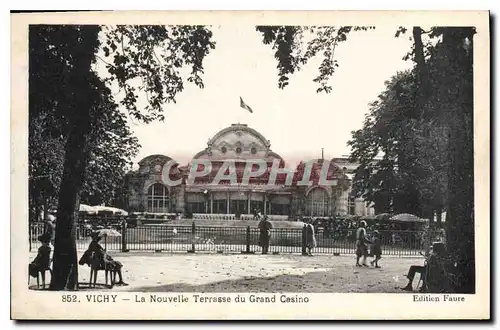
(376, 249)
(310, 237)
(361, 247)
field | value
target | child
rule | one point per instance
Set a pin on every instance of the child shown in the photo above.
(375, 249)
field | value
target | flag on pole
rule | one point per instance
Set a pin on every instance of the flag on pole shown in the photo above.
(245, 106)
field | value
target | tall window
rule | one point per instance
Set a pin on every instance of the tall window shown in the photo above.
(196, 203)
(317, 202)
(219, 206)
(158, 199)
(280, 205)
(238, 206)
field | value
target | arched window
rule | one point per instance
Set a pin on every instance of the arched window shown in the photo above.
(317, 202)
(158, 199)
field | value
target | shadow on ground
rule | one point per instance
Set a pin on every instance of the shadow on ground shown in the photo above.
(312, 282)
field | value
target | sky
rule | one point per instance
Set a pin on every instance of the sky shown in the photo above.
(297, 120)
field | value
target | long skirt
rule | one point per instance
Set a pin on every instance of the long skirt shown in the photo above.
(361, 249)
(310, 241)
(263, 239)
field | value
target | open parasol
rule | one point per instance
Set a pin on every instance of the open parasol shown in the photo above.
(99, 208)
(87, 209)
(112, 210)
(406, 217)
(108, 232)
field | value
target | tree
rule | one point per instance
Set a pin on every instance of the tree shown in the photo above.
(390, 182)
(112, 149)
(63, 84)
(455, 91)
(46, 155)
(292, 54)
(438, 110)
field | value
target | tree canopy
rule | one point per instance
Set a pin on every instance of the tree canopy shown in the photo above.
(74, 106)
(421, 126)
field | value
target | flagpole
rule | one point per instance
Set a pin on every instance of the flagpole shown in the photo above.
(238, 117)
(245, 106)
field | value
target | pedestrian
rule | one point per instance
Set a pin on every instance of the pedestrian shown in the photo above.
(50, 228)
(310, 237)
(375, 249)
(265, 232)
(361, 247)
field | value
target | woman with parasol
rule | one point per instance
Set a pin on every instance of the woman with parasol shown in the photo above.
(96, 253)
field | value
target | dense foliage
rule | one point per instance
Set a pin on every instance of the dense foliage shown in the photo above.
(79, 139)
(421, 126)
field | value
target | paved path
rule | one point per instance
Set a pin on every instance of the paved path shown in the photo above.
(181, 272)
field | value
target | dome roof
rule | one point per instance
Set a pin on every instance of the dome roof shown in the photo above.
(238, 142)
(154, 160)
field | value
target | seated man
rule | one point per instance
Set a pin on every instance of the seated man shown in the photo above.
(411, 275)
(440, 271)
(433, 271)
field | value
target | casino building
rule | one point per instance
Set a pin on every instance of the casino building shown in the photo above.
(146, 191)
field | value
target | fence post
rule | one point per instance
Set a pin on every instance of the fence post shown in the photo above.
(304, 238)
(193, 232)
(248, 239)
(124, 236)
(30, 234)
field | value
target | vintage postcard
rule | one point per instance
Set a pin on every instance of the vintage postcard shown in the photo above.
(250, 165)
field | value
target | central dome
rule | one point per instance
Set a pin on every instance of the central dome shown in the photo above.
(237, 141)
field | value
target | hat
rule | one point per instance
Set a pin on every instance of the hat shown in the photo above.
(439, 248)
(44, 238)
(363, 222)
(95, 235)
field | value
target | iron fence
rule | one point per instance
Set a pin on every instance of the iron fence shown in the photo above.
(230, 239)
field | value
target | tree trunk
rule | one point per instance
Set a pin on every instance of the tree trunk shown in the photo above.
(459, 217)
(422, 75)
(65, 272)
(82, 97)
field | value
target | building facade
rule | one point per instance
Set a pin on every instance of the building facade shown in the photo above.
(146, 190)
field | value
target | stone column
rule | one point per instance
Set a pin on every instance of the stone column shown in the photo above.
(265, 203)
(227, 202)
(294, 207)
(181, 198)
(249, 197)
(211, 203)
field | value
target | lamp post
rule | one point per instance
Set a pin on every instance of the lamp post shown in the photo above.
(205, 195)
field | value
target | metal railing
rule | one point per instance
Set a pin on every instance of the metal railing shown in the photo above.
(193, 238)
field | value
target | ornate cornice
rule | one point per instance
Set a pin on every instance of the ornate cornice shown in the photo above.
(239, 128)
